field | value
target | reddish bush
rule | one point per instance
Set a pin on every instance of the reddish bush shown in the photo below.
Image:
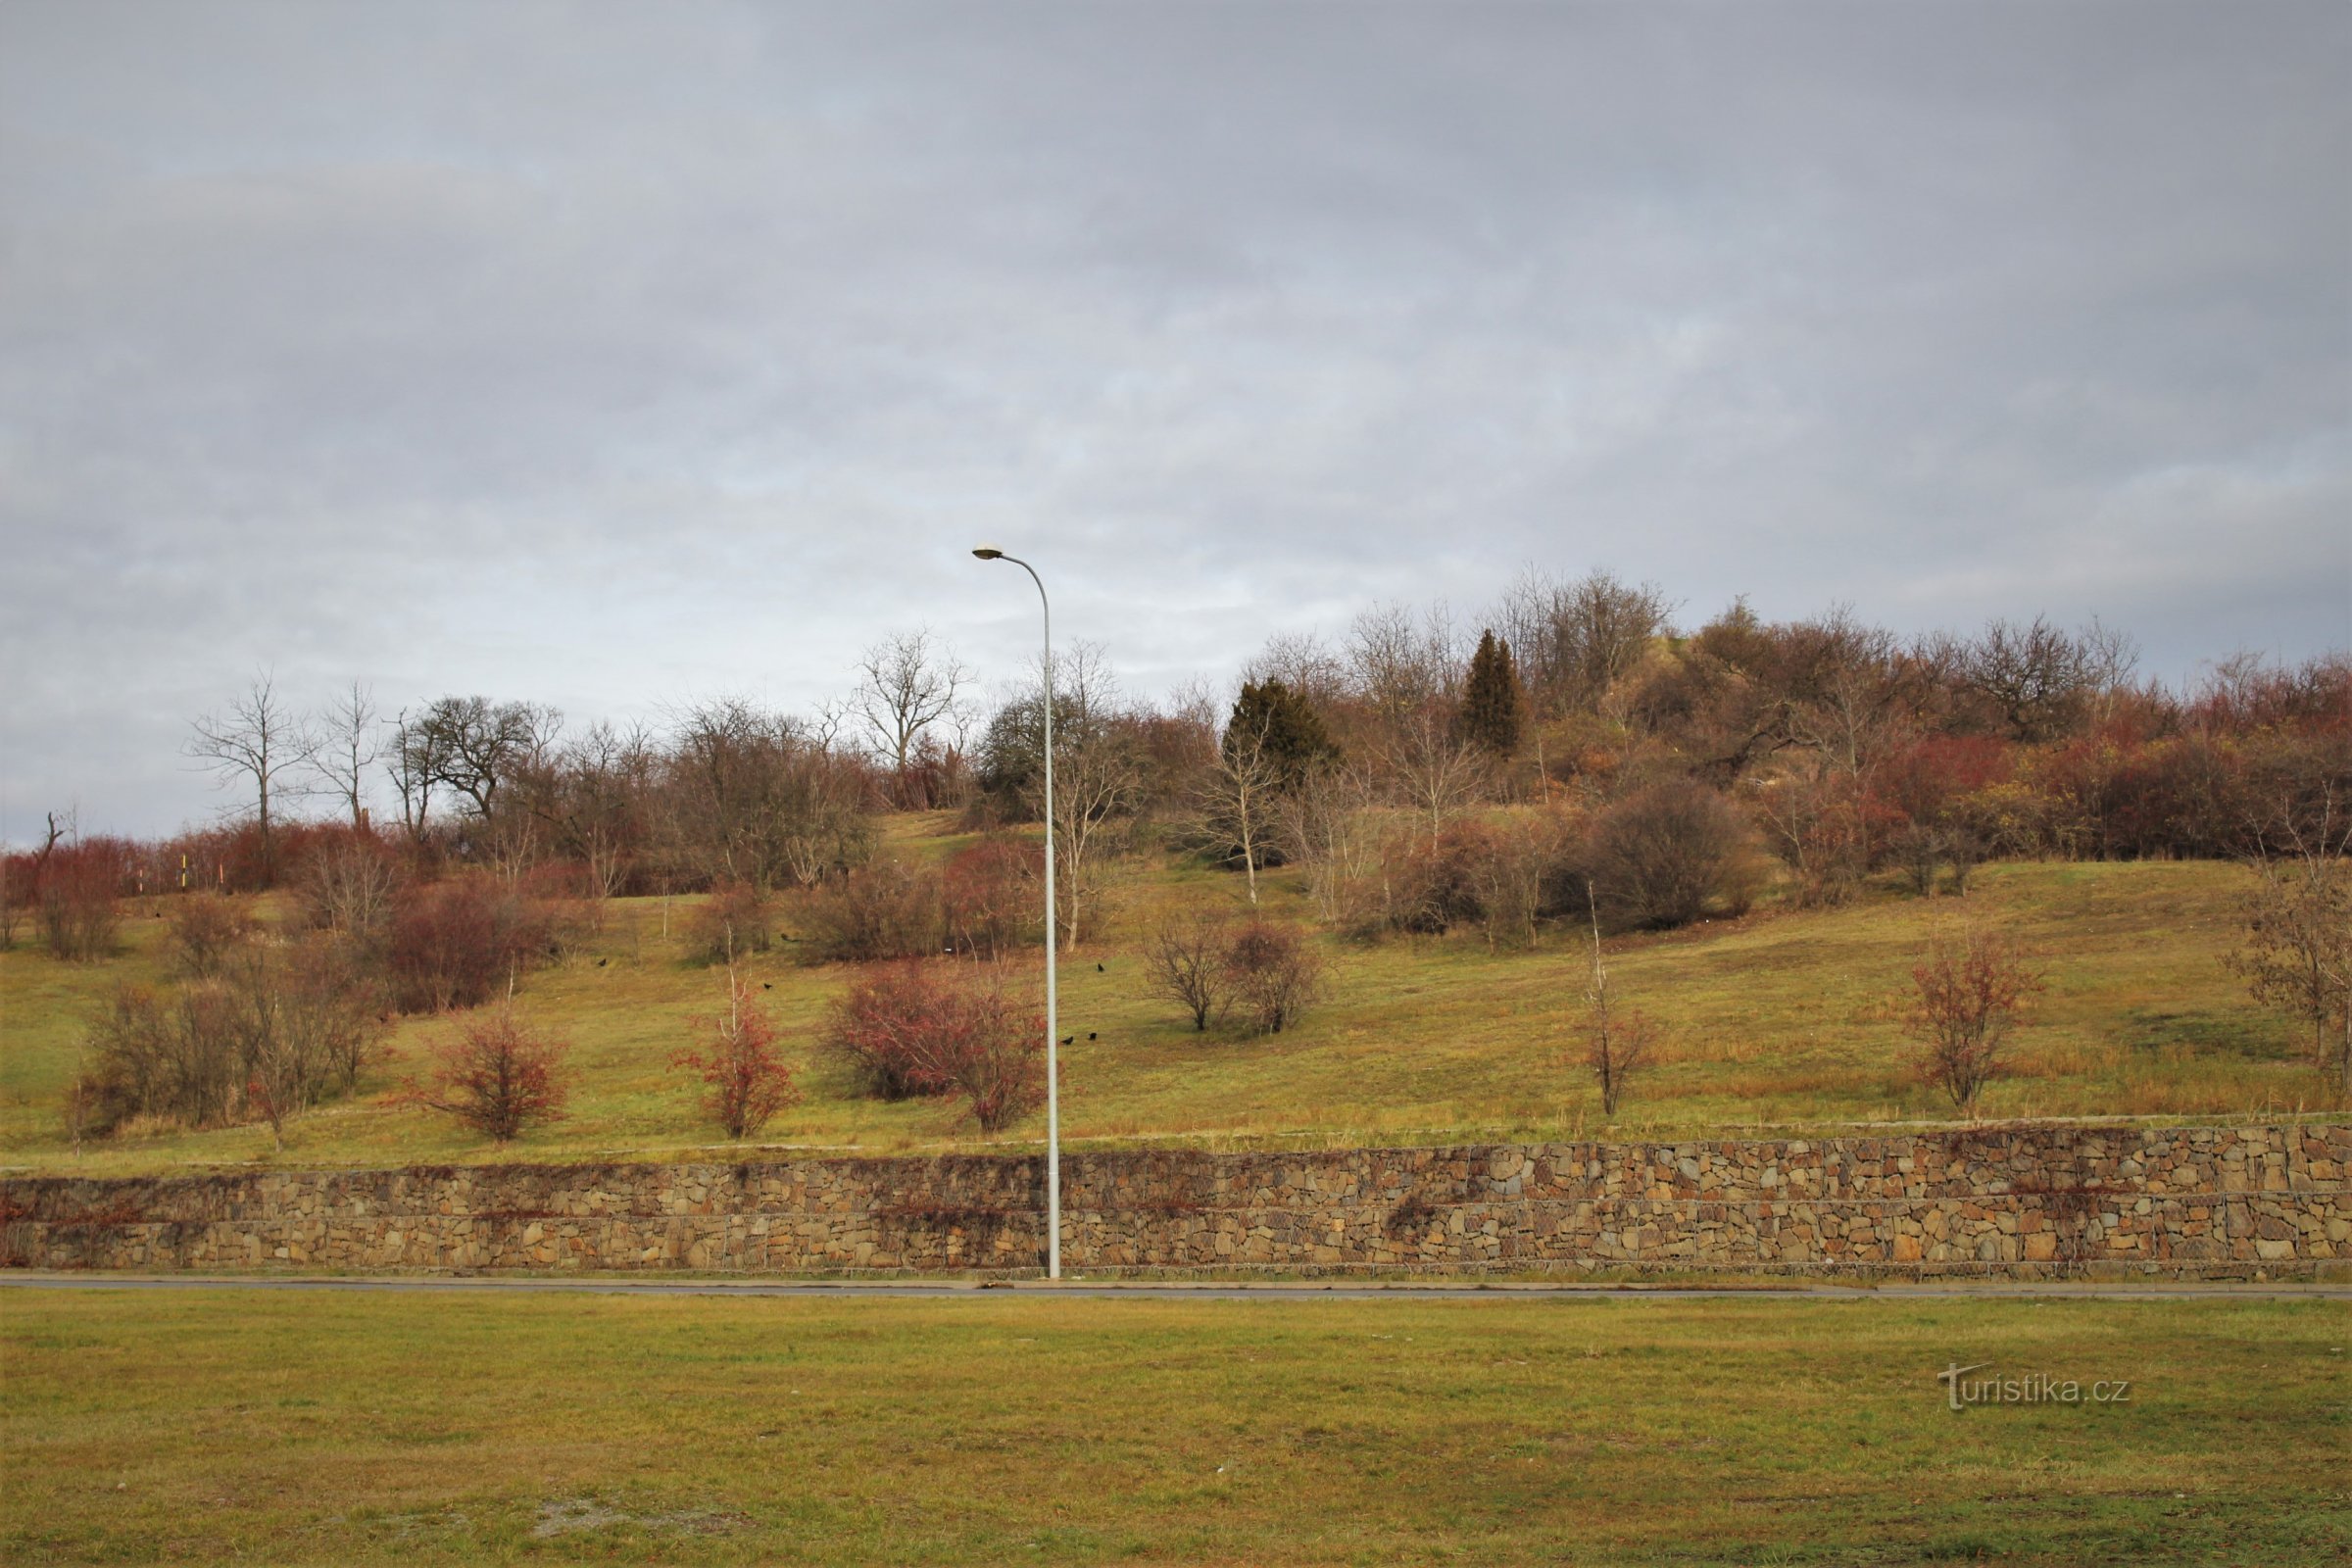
(205, 928)
(990, 894)
(883, 909)
(747, 1083)
(455, 943)
(498, 1076)
(74, 893)
(919, 1029)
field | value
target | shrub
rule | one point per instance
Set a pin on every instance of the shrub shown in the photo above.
(884, 909)
(747, 1083)
(1185, 961)
(1664, 856)
(990, 895)
(498, 1076)
(922, 1029)
(1518, 861)
(1431, 884)
(1618, 1040)
(1968, 993)
(206, 927)
(350, 886)
(454, 944)
(75, 901)
(273, 1030)
(1274, 974)
(736, 918)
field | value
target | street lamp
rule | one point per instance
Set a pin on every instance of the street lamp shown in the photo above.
(1053, 1073)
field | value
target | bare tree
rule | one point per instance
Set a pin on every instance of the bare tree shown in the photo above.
(1575, 641)
(261, 743)
(2297, 955)
(348, 747)
(1302, 662)
(1236, 797)
(1327, 825)
(1520, 854)
(1968, 994)
(1096, 782)
(1185, 962)
(1098, 777)
(1431, 768)
(751, 796)
(473, 746)
(907, 684)
(1617, 1043)
(348, 888)
(2035, 676)
(1403, 666)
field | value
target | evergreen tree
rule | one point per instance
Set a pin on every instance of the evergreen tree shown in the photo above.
(1491, 704)
(1289, 734)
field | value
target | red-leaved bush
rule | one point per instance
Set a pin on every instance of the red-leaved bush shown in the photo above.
(497, 1075)
(942, 1029)
(455, 943)
(747, 1083)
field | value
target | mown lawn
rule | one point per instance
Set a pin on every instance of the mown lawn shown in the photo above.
(1785, 1020)
(216, 1425)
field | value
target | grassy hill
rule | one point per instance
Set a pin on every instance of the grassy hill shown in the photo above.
(1779, 1021)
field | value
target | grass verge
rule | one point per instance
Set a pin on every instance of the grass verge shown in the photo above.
(355, 1429)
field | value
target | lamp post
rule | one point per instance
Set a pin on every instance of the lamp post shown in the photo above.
(1052, 942)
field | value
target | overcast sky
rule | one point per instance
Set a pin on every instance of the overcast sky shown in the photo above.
(611, 355)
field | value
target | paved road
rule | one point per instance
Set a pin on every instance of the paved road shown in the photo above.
(1217, 1292)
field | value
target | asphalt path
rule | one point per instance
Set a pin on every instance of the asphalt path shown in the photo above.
(1219, 1290)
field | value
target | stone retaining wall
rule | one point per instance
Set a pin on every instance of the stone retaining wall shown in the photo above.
(2024, 1201)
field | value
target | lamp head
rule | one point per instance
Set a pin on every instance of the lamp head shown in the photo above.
(989, 552)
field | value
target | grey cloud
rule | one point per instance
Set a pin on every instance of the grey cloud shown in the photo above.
(604, 356)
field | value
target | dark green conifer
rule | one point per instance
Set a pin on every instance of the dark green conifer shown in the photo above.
(1290, 733)
(1492, 705)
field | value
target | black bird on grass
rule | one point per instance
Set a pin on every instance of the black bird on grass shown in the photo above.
(1066, 1039)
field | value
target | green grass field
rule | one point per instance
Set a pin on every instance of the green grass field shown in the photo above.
(217, 1425)
(1785, 1020)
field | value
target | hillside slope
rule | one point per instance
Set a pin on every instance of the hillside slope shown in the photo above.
(1781, 1019)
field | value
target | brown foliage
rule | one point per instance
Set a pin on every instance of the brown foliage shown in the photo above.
(75, 891)
(276, 1028)
(990, 894)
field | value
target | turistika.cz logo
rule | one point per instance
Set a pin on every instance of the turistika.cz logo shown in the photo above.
(2033, 1387)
